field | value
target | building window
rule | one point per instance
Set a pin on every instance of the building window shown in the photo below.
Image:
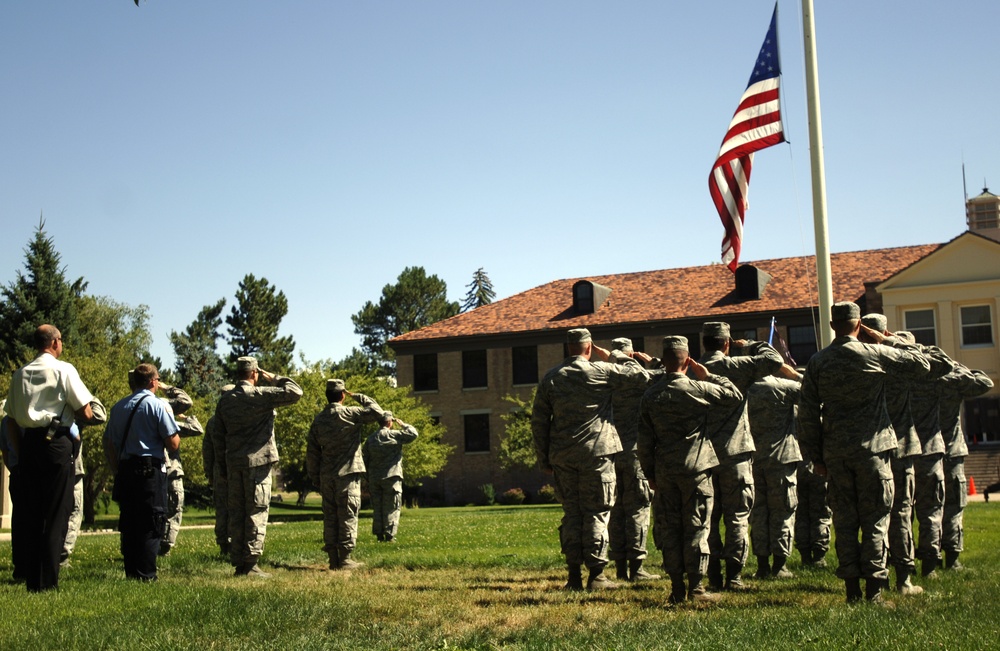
(801, 343)
(425, 372)
(473, 369)
(982, 420)
(921, 324)
(524, 364)
(477, 432)
(694, 345)
(977, 326)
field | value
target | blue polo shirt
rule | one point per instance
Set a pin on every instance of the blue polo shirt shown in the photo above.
(151, 424)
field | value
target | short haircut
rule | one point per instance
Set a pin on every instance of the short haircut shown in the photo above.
(333, 395)
(45, 336)
(672, 359)
(844, 326)
(143, 375)
(712, 344)
(577, 349)
(245, 374)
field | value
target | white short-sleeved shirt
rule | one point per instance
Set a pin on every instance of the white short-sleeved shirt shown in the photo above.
(45, 389)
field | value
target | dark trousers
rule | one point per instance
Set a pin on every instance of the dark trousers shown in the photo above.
(17, 528)
(44, 501)
(143, 514)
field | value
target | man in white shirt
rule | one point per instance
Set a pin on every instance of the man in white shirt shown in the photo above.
(44, 397)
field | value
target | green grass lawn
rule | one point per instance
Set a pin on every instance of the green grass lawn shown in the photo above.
(470, 577)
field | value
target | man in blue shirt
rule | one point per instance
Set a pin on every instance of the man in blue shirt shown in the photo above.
(139, 434)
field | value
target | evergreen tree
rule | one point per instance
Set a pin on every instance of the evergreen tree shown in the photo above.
(200, 369)
(40, 294)
(253, 326)
(415, 301)
(480, 291)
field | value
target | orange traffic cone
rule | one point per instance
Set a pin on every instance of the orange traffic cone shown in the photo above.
(972, 485)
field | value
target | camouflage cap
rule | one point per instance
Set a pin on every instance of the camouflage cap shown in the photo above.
(623, 344)
(386, 416)
(245, 364)
(905, 335)
(845, 311)
(876, 321)
(715, 329)
(335, 385)
(578, 336)
(675, 342)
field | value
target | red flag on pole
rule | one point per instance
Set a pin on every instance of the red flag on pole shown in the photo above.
(755, 126)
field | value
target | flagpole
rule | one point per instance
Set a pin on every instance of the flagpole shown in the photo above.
(823, 272)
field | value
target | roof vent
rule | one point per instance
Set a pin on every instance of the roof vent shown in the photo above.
(588, 296)
(750, 282)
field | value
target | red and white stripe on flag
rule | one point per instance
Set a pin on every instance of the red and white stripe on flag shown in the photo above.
(755, 126)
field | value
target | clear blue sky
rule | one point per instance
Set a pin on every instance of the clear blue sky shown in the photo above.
(176, 146)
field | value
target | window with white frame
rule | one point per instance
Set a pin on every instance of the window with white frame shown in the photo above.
(921, 324)
(977, 325)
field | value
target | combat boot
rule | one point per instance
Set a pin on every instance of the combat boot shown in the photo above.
(853, 587)
(698, 593)
(678, 592)
(636, 573)
(597, 580)
(819, 560)
(951, 561)
(763, 569)
(928, 568)
(249, 567)
(621, 570)
(903, 584)
(733, 580)
(334, 560)
(714, 573)
(348, 563)
(778, 569)
(575, 582)
(873, 590)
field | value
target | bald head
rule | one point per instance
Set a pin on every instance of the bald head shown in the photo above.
(48, 339)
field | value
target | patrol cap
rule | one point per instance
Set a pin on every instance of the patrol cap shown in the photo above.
(623, 344)
(246, 364)
(386, 416)
(715, 329)
(578, 336)
(675, 342)
(845, 311)
(905, 335)
(335, 385)
(876, 321)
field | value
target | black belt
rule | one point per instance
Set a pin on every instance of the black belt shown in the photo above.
(43, 431)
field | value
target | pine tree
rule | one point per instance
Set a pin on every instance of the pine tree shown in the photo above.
(253, 326)
(199, 367)
(480, 291)
(40, 294)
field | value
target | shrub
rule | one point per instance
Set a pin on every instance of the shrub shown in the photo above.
(547, 495)
(489, 494)
(513, 496)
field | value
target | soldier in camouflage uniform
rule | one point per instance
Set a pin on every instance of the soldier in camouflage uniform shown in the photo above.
(771, 407)
(677, 456)
(179, 402)
(213, 455)
(960, 384)
(245, 417)
(743, 362)
(572, 425)
(100, 416)
(846, 431)
(630, 515)
(897, 402)
(813, 516)
(383, 456)
(335, 466)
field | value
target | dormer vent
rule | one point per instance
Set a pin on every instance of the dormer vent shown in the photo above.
(589, 296)
(750, 282)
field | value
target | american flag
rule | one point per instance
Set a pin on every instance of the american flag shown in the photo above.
(755, 126)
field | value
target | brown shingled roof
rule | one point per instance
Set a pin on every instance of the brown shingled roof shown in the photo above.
(667, 294)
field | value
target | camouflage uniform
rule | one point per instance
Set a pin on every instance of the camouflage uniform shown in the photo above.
(383, 456)
(771, 406)
(730, 434)
(677, 456)
(335, 465)
(213, 451)
(573, 429)
(245, 417)
(958, 385)
(813, 516)
(100, 416)
(629, 520)
(179, 402)
(845, 426)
